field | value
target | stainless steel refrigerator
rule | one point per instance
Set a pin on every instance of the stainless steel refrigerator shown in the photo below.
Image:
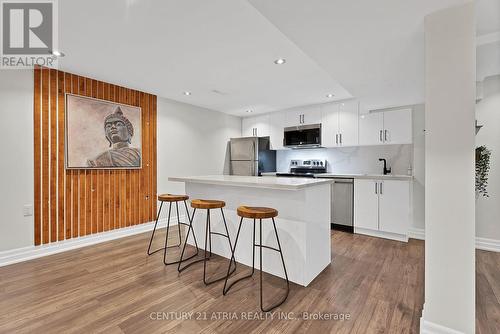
(252, 156)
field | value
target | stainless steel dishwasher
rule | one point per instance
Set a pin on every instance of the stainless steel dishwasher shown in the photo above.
(342, 205)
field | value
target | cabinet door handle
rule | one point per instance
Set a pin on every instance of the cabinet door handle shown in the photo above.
(381, 189)
(376, 188)
(337, 138)
(381, 139)
(340, 137)
(385, 135)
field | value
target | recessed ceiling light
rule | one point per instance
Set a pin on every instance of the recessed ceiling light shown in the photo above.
(249, 110)
(56, 53)
(329, 95)
(187, 93)
(280, 61)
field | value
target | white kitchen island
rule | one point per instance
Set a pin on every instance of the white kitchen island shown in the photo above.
(303, 221)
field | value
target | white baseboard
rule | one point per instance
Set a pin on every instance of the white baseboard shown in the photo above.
(380, 234)
(33, 252)
(416, 233)
(427, 327)
(486, 244)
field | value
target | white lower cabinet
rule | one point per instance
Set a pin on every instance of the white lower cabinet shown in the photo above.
(382, 208)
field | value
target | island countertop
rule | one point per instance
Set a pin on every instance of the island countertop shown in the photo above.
(270, 182)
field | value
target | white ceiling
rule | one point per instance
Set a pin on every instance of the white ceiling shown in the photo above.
(488, 16)
(375, 49)
(488, 42)
(223, 50)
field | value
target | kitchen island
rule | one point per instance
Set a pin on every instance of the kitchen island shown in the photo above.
(303, 222)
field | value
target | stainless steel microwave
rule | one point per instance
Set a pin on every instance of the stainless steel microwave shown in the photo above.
(303, 136)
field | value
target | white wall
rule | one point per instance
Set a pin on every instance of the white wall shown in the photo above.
(488, 115)
(16, 150)
(192, 141)
(357, 160)
(449, 170)
(419, 166)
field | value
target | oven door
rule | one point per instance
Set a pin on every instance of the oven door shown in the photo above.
(304, 136)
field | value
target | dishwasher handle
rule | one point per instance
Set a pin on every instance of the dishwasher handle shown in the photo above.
(343, 181)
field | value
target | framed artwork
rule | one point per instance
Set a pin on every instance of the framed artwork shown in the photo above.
(102, 134)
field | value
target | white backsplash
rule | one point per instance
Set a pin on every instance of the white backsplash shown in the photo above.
(356, 160)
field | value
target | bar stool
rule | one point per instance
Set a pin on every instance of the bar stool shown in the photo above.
(172, 199)
(208, 205)
(258, 213)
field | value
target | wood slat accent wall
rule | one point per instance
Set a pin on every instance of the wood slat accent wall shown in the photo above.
(73, 203)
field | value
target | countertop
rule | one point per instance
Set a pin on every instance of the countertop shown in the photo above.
(357, 176)
(270, 182)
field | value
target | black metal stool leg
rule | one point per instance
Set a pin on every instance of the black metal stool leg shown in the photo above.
(153, 234)
(208, 234)
(179, 269)
(226, 288)
(178, 223)
(228, 238)
(284, 268)
(190, 219)
(166, 239)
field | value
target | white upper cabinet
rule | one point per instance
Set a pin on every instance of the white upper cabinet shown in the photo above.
(389, 127)
(262, 126)
(398, 127)
(340, 124)
(248, 127)
(303, 116)
(330, 125)
(257, 126)
(371, 129)
(276, 129)
(311, 115)
(348, 123)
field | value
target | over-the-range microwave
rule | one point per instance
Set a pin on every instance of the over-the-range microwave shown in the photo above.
(303, 136)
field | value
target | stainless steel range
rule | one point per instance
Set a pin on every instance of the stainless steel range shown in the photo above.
(305, 168)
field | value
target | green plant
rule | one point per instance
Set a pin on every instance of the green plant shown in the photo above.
(482, 169)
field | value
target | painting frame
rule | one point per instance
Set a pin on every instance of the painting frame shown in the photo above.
(67, 134)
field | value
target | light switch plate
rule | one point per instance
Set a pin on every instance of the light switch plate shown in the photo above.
(28, 210)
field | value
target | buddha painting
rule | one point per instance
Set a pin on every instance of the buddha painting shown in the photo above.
(118, 132)
(101, 134)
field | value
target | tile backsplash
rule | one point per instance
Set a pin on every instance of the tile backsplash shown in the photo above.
(357, 160)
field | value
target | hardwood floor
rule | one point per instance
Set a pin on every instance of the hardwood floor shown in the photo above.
(487, 292)
(115, 287)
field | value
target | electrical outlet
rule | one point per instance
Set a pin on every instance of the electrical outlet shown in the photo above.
(28, 210)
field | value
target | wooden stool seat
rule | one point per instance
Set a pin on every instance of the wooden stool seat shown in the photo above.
(256, 212)
(207, 204)
(172, 198)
